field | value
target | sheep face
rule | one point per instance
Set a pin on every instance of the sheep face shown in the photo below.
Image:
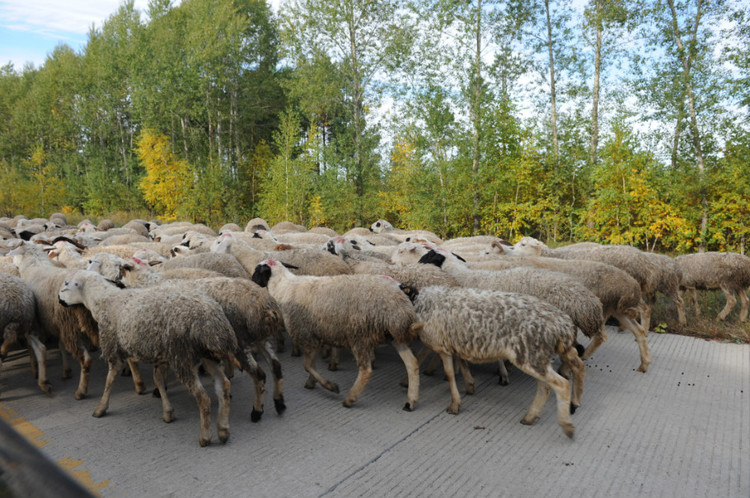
(262, 274)
(529, 246)
(433, 258)
(71, 292)
(381, 226)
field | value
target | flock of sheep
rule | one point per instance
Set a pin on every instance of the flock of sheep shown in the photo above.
(181, 296)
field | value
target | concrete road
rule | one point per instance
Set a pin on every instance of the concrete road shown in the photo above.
(682, 430)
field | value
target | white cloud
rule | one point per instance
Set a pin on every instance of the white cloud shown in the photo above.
(50, 17)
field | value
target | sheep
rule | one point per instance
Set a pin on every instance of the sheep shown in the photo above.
(668, 278)
(562, 291)
(254, 316)
(257, 224)
(301, 238)
(358, 248)
(618, 292)
(17, 319)
(105, 225)
(482, 326)
(129, 250)
(353, 311)
(138, 226)
(727, 271)
(225, 264)
(124, 239)
(74, 327)
(287, 227)
(325, 231)
(59, 219)
(229, 227)
(305, 261)
(384, 228)
(159, 326)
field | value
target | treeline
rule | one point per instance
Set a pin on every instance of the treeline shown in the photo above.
(626, 122)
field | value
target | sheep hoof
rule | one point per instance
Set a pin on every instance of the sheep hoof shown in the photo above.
(572, 408)
(67, 373)
(453, 410)
(568, 429)
(310, 384)
(347, 403)
(333, 367)
(155, 393)
(470, 389)
(333, 387)
(223, 435)
(279, 405)
(168, 417)
(529, 420)
(98, 413)
(140, 388)
(204, 442)
(46, 388)
(79, 395)
(255, 415)
(408, 407)
(580, 349)
(503, 381)
(643, 368)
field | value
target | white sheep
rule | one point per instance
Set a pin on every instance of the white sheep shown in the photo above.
(357, 312)
(484, 326)
(159, 326)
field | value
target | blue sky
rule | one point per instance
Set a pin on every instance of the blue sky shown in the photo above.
(31, 29)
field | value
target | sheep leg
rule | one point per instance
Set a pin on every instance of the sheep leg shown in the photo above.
(432, 366)
(333, 362)
(646, 313)
(64, 356)
(744, 304)
(502, 371)
(221, 386)
(469, 383)
(363, 376)
(694, 297)
(85, 361)
(167, 412)
(310, 354)
(140, 386)
(204, 405)
(101, 408)
(451, 374)
(248, 363)
(40, 358)
(596, 341)
(640, 337)
(278, 377)
(412, 372)
(731, 303)
(421, 356)
(562, 392)
(680, 305)
(575, 365)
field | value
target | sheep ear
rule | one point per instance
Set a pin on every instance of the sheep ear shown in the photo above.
(290, 267)
(410, 291)
(154, 263)
(459, 257)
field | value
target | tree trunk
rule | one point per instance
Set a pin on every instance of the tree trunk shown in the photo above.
(597, 70)
(686, 63)
(553, 93)
(477, 222)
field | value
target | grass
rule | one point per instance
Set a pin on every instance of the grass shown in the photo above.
(664, 319)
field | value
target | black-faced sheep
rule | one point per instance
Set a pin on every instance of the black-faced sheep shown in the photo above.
(159, 326)
(357, 312)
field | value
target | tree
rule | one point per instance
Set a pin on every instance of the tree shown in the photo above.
(168, 182)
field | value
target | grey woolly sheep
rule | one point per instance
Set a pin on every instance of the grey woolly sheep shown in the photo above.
(124, 239)
(138, 226)
(257, 224)
(482, 326)
(254, 316)
(618, 292)
(727, 271)
(74, 327)
(351, 311)
(287, 227)
(305, 261)
(226, 264)
(229, 227)
(17, 320)
(105, 225)
(560, 290)
(159, 326)
(668, 278)
(325, 231)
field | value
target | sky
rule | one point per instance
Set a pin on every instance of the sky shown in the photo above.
(31, 29)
